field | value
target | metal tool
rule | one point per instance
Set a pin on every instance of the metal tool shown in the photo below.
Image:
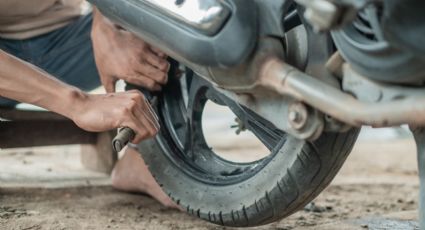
(126, 134)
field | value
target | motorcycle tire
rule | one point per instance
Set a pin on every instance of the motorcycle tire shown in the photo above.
(237, 194)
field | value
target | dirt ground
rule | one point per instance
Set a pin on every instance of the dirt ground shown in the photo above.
(376, 189)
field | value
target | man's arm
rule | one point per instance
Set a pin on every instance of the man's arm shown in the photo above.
(24, 82)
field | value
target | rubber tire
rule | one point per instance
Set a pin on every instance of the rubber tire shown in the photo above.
(296, 175)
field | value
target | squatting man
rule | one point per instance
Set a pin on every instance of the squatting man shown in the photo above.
(52, 54)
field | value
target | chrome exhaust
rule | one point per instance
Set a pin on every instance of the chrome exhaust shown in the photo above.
(205, 16)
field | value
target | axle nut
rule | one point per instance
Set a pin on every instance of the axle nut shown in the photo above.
(297, 115)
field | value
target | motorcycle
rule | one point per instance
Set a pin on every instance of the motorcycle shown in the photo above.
(302, 75)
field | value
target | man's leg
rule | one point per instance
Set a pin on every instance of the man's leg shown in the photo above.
(132, 175)
(65, 53)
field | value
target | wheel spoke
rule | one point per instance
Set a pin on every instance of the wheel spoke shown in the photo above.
(291, 20)
(196, 102)
(262, 129)
(183, 120)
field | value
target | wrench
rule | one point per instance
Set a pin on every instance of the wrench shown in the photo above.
(126, 134)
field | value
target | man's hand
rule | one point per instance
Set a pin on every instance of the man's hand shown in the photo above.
(105, 112)
(24, 82)
(121, 55)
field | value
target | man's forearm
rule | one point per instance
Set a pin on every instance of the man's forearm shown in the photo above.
(24, 82)
(102, 25)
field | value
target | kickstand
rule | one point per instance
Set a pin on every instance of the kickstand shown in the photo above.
(419, 134)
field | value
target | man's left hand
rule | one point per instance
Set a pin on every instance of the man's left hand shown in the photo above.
(121, 55)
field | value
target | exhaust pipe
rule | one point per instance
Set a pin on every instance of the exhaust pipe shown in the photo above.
(287, 80)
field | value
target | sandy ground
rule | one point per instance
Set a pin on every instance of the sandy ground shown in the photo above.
(47, 188)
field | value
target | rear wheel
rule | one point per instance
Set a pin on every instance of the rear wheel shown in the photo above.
(252, 192)
(233, 193)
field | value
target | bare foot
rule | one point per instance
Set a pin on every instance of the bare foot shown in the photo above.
(132, 175)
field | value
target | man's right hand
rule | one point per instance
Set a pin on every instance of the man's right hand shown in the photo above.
(109, 111)
(24, 82)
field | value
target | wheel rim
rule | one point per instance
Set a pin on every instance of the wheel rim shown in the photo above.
(182, 138)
